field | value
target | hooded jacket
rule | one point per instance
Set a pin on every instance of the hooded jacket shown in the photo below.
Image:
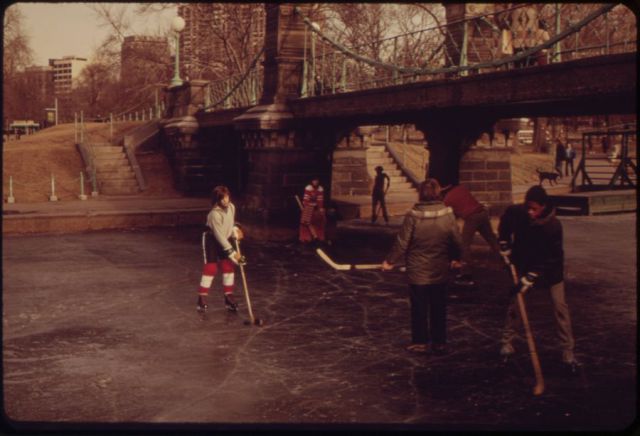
(428, 239)
(536, 245)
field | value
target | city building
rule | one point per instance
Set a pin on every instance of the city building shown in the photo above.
(212, 31)
(65, 73)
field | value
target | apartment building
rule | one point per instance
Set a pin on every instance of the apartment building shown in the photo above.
(65, 73)
(216, 32)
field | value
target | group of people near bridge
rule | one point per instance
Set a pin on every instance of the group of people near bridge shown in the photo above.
(430, 245)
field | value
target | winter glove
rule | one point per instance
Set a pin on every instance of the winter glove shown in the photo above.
(238, 233)
(529, 279)
(235, 258)
(505, 249)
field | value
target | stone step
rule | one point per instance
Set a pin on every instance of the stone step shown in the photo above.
(108, 149)
(375, 161)
(111, 163)
(116, 173)
(118, 186)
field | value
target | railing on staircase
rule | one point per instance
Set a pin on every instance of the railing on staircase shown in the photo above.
(410, 170)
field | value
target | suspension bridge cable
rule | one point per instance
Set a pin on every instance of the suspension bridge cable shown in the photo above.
(242, 79)
(423, 71)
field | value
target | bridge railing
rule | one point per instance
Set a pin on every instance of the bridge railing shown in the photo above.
(239, 90)
(497, 38)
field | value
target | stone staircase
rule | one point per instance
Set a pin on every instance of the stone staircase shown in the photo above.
(377, 155)
(357, 204)
(114, 173)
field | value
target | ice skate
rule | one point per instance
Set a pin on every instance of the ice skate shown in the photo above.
(507, 351)
(570, 362)
(202, 305)
(464, 280)
(230, 303)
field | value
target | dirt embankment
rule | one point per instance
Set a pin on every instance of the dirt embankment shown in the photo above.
(32, 160)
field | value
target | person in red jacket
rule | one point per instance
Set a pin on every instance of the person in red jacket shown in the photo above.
(313, 218)
(476, 219)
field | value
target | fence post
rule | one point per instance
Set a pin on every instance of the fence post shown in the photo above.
(53, 196)
(11, 198)
(81, 127)
(94, 182)
(305, 68)
(82, 196)
(463, 51)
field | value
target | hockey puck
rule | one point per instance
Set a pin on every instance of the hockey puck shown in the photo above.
(247, 322)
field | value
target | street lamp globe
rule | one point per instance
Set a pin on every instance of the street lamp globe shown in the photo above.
(177, 24)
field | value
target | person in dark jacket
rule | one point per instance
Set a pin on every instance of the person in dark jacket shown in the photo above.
(476, 219)
(381, 185)
(530, 236)
(430, 242)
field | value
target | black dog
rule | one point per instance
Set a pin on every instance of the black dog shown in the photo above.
(545, 175)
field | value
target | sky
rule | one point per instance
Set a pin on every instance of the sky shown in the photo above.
(72, 28)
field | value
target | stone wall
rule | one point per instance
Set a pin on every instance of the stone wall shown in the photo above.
(487, 174)
(350, 176)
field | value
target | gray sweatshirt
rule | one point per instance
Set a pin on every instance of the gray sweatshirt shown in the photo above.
(221, 223)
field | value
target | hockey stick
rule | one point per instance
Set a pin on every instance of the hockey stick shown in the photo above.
(254, 321)
(538, 389)
(348, 266)
(311, 229)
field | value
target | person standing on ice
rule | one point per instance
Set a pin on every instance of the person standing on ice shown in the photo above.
(476, 219)
(312, 218)
(219, 249)
(381, 185)
(530, 237)
(430, 242)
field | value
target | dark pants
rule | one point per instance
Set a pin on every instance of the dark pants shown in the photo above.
(568, 165)
(476, 222)
(375, 199)
(428, 313)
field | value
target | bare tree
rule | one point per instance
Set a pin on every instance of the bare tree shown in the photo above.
(16, 56)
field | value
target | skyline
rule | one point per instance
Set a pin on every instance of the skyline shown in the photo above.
(54, 28)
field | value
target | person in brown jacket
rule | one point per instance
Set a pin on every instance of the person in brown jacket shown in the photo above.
(476, 219)
(430, 242)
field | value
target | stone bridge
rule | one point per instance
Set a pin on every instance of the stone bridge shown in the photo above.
(267, 153)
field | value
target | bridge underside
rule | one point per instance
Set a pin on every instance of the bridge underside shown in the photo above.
(277, 151)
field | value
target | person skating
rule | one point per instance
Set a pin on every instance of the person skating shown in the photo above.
(476, 219)
(380, 189)
(313, 218)
(219, 249)
(430, 242)
(530, 236)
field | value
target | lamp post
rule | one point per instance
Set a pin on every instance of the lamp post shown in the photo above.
(177, 24)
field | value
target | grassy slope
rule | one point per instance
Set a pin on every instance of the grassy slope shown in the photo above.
(31, 160)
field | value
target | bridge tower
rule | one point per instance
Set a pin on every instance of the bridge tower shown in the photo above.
(282, 155)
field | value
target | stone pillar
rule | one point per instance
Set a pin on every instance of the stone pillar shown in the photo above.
(180, 130)
(448, 137)
(282, 155)
(487, 174)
